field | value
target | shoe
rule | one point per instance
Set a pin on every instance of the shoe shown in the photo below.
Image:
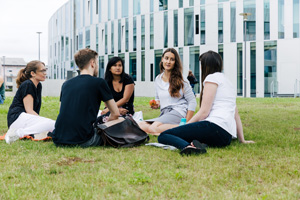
(192, 150)
(199, 145)
(11, 136)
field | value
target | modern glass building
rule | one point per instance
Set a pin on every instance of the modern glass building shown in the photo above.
(140, 30)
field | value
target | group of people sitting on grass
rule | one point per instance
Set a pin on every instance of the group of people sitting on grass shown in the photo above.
(215, 124)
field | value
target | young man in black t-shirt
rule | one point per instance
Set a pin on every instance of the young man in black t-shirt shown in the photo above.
(80, 101)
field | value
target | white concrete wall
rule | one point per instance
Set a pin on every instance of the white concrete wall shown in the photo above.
(50, 87)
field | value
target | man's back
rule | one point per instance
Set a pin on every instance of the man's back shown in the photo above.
(80, 101)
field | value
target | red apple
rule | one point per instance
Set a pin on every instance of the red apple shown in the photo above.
(152, 102)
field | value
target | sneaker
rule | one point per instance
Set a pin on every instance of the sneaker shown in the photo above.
(192, 150)
(11, 136)
(199, 145)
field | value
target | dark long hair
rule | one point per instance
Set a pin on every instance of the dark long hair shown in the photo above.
(176, 79)
(25, 74)
(108, 75)
(211, 62)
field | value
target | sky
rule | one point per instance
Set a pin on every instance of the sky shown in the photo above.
(19, 22)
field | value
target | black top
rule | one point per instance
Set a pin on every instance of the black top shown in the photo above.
(119, 95)
(192, 79)
(17, 106)
(80, 101)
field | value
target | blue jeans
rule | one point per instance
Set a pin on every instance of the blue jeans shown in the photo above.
(204, 131)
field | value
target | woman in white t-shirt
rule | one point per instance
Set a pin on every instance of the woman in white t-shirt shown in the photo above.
(173, 95)
(217, 121)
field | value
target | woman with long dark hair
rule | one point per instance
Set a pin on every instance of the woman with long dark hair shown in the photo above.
(121, 86)
(217, 121)
(174, 95)
(23, 115)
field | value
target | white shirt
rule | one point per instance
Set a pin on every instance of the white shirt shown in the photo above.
(223, 108)
(182, 104)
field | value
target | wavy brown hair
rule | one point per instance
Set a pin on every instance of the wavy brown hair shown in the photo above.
(25, 74)
(176, 78)
(211, 62)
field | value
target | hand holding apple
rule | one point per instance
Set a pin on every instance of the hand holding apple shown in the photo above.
(153, 104)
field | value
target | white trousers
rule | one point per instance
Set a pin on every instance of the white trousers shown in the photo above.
(27, 124)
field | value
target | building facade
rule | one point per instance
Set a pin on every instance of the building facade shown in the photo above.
(140, 30)
(9, 69)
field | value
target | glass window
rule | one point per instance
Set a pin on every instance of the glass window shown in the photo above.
(151, 31)
(253, 69)
(100, 11)
(134, 34)
(158, 54)
(122, 56)
(62, 48)
(232, 21)
(175, 28)
(250, 7)
(239, 69)
(267, 19)
(67, 18)
(97, 38)
(124, 8)
(109, 10)
(87, 38)
(110, 56)
(106, 42)
(270, 68)
(220, 23)
(97, 7)
(132, 65)
(202, 27)
(80, 46)
(194, 65)
(91, 12)
(9, 79)
(202, 2)
(163, 4)
(296, 19)
(112, 28)
(180, 51)
(197, 24)
(151, 5)
(83, 15)
(180, 3)
(116, 9)
(126, 35)
(136, 7)
(101, 66)
(143, 66)
(188, 26)
(221, 52)
(191, 2)
(143, 32)
(166, 29)
(77, 10)
(280, 19)
(119, 36)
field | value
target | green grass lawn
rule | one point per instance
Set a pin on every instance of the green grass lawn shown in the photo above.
(268, 169)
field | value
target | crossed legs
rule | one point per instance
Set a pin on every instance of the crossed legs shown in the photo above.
(156, 127)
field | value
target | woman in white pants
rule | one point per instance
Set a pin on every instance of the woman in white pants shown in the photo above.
(23, 115)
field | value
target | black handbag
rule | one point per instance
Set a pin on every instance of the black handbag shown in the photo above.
(124, 132)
